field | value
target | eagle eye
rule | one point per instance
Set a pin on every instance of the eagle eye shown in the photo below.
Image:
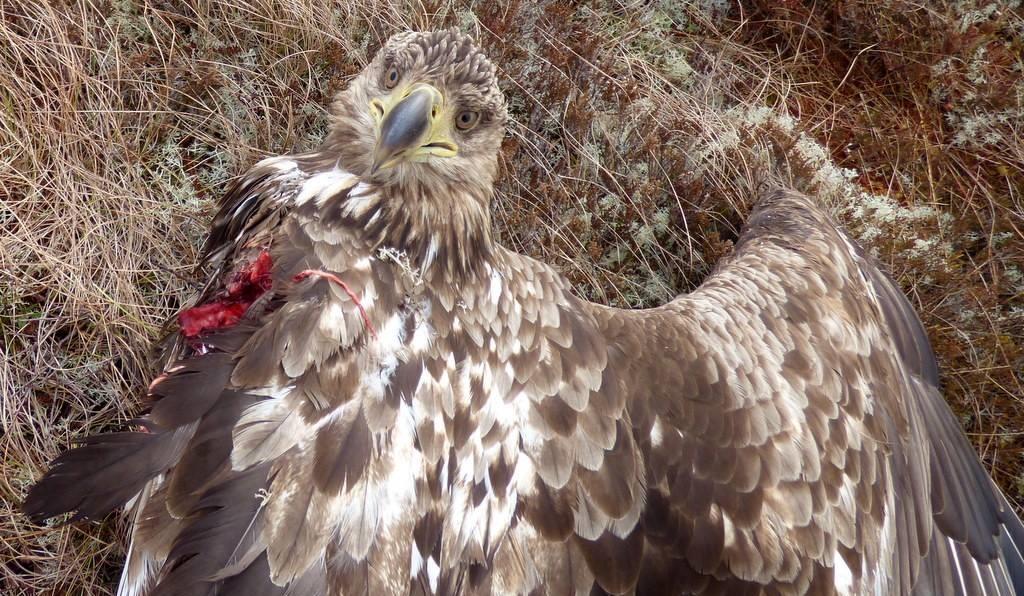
(391, 77)
(467, 119)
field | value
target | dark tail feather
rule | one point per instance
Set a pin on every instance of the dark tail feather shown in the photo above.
(104, 473)
(223, 531)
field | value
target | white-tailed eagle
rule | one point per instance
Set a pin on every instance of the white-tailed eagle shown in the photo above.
(373, 397)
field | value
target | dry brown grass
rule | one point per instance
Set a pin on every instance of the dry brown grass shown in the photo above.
(641, 134)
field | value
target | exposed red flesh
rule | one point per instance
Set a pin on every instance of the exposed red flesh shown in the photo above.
(245, 287)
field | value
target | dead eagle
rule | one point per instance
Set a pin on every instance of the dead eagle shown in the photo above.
(372, 397)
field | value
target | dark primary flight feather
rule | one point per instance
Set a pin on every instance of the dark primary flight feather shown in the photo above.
(372, 397)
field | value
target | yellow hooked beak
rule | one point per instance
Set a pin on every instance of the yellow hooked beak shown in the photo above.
(411, 126)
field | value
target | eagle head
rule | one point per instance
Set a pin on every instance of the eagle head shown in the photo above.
(426, 111)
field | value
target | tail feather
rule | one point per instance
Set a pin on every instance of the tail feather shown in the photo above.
(140, 566)
(104, 473)
(222, 533)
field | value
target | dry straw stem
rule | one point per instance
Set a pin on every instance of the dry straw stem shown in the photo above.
(642, 132)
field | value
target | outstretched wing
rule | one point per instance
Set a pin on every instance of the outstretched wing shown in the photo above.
(967, 509)
(793, 432)
(777, 431)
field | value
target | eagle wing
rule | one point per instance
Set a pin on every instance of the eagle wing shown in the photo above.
(236, 237)
(252, 394)
(792, 432)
